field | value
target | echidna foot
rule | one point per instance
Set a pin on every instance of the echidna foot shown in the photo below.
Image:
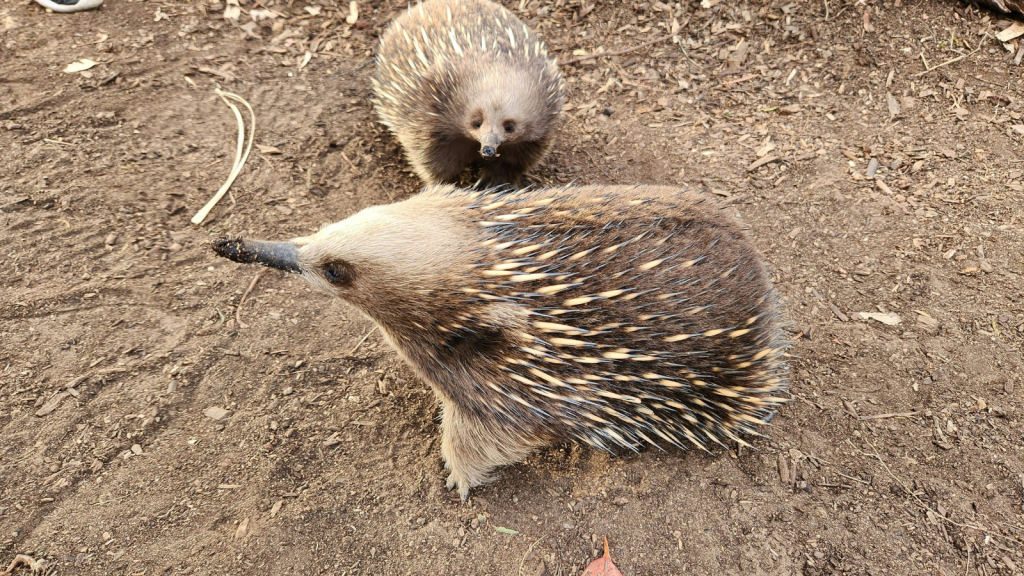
(457, 480)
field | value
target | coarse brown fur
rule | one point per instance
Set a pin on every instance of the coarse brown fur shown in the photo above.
(465, 80)
(610, 315)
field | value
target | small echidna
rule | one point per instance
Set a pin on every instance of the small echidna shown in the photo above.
(610, 315)
(460, 80)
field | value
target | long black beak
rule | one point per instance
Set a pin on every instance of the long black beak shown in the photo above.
(280, 255)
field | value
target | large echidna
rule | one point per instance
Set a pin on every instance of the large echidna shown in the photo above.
(461, 80)
(610, 315)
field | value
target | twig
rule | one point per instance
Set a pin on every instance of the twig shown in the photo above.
(360, 343)
(238, 317)
(240, 158)
(356, 69)
(854, 478)
(924, 506)
(617, 52)
(523, 561)
(889, 415)
(57, 142)
(33, 565)
(947, 62)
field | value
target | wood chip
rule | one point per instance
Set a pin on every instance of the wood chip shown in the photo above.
(52, 404)
(839, 313)
(1010, 33)
(216, 413)
(783, 469)
(332, 440)
(762, 162)
(889, 318)
(243, 529)
(276, 508)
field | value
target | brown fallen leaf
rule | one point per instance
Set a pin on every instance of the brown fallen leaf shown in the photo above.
(603, 566)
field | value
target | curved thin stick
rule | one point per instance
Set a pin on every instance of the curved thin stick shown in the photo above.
(240, 157)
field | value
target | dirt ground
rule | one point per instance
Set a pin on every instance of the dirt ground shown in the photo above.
(872, 185)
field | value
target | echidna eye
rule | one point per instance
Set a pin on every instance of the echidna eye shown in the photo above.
(338, 273)
(510, 127)
(477, 123)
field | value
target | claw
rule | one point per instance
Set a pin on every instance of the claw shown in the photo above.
(462, 484)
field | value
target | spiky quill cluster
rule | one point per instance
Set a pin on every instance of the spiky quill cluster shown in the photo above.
(460, 81)
(614, 316)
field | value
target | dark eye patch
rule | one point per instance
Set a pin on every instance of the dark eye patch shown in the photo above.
(338, 273)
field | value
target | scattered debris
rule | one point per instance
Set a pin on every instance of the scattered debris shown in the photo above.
(888, 318)
(80, 65)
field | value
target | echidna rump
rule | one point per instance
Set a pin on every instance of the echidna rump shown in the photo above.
(465, 80)
(610, 315)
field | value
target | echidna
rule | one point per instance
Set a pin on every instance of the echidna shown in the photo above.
(461, 80)
(611, 315)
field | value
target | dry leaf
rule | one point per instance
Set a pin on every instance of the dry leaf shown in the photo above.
(603, 566)
(268, 149)
(889, 319)
(353, 12)
(80, 65)
(894, 106)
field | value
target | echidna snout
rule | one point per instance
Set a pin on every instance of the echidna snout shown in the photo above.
(613, 316)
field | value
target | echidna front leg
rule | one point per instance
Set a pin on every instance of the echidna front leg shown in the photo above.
(472, 451)
(514, 161)
(446, 157)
